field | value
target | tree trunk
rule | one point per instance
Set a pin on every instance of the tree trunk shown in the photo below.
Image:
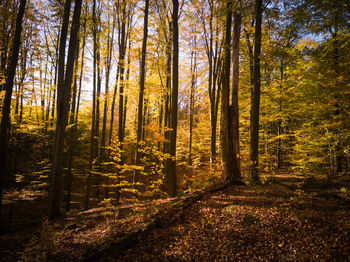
(279, 123)
(74, 119)
(98, 98)
(6, 110)
(142, 85)
(171, 179)
(63, 98)
(191, 106)
(126, 86)
(93, 115)
(167, 101)
(235, 82)
(255, 101)
(110, 41)
(229, 161)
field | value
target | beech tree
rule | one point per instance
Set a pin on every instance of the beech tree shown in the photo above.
(229, 162)
(142, 83)
(171, 169)
(255, 100)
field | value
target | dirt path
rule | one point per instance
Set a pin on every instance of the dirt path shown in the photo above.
(276, 222)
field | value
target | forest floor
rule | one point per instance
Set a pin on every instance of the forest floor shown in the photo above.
(289, 218)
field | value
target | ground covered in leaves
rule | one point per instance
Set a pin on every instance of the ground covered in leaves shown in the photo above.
(285, 219)
(275, 222)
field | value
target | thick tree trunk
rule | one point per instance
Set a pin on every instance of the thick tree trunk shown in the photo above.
(63, 98)
(255, 101)
(6, 110)
(171, 179)
(229, 161)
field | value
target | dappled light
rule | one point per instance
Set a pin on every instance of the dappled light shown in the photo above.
(174, 130)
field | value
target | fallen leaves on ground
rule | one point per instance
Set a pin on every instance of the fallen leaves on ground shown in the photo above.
(273, 222)
(257, 223)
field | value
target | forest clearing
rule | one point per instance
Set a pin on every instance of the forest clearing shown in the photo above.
(174, 130)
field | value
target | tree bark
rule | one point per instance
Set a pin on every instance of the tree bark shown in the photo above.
(93, 115)
(279, 123)
(6, 110)
(110, 41)
(63, 98)
(229, 162)
(235, 82)
(255, 101)
(192, 91)
(171, 179)
(74, 119)
(142, 84)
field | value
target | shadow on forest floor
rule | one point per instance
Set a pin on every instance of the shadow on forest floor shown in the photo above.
(275, 221)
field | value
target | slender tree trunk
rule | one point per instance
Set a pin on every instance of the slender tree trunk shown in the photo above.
(113, 108)
(255, 101)
(110, 41)
(74, 119)
(171, 179)
(98, 98)
(126, 86)
(55, 80)
(63, 98)
(6, 110)
(93, 115)
(142, 84)
(19, 105)
(235, 82)
(167, 105)
(42, 93)
(212, 97)
(279, 123)
(191, 106)
(69, 177)
(144, 119)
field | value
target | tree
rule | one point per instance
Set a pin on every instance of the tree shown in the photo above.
(142, 82)
(171, 165)
(6, 110)
(74, 115)
(65, 76)
(235, 81)
(192, 95)
(229, 162)
(255, 100)
(213, 47)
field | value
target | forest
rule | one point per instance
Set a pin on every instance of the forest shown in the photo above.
(175, 130)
